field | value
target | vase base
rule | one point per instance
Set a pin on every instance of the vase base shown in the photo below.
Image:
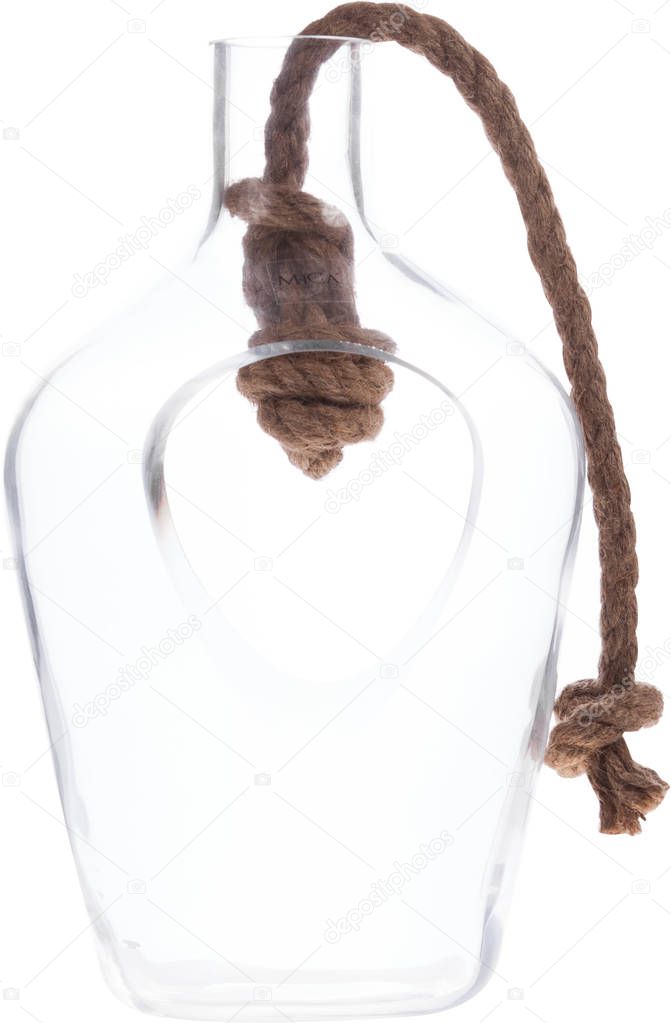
(384, 993)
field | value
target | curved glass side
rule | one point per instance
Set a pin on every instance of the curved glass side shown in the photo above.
(278, 706)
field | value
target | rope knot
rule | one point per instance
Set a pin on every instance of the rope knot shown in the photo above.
(261, 203)
(589, 739)
(299, 280)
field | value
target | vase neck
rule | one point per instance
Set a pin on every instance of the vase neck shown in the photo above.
(244, 73)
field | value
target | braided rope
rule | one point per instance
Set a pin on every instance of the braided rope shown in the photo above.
(314, 424)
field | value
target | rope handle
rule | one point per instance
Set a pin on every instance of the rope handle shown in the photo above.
(316, 402)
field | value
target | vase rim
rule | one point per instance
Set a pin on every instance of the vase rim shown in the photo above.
(281, 40)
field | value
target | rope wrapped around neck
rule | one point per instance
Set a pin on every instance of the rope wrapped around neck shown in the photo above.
(315, 403)
(299, 280)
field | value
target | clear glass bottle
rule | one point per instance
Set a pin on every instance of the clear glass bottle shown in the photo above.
(295, 722)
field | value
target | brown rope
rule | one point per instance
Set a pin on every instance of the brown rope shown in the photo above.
(299, 280)
(316, 402)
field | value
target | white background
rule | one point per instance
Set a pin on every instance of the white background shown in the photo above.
(104, 115)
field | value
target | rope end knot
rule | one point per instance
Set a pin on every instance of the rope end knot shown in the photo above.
(589, 740)
(316, 403)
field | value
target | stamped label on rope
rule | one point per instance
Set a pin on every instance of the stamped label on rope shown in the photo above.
(309, 281)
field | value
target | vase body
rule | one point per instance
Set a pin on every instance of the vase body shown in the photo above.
(295, 722)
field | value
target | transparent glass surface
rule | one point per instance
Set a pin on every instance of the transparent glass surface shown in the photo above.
(295, 723)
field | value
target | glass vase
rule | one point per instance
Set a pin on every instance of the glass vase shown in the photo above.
(295, 722)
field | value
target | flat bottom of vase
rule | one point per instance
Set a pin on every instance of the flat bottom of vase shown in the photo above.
(400, 995)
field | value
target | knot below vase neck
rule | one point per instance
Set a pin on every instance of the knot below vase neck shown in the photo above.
(299, 279)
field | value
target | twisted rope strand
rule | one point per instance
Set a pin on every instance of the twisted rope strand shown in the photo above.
(313, 423)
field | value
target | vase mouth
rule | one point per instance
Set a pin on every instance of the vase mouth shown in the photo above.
(281, 41)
